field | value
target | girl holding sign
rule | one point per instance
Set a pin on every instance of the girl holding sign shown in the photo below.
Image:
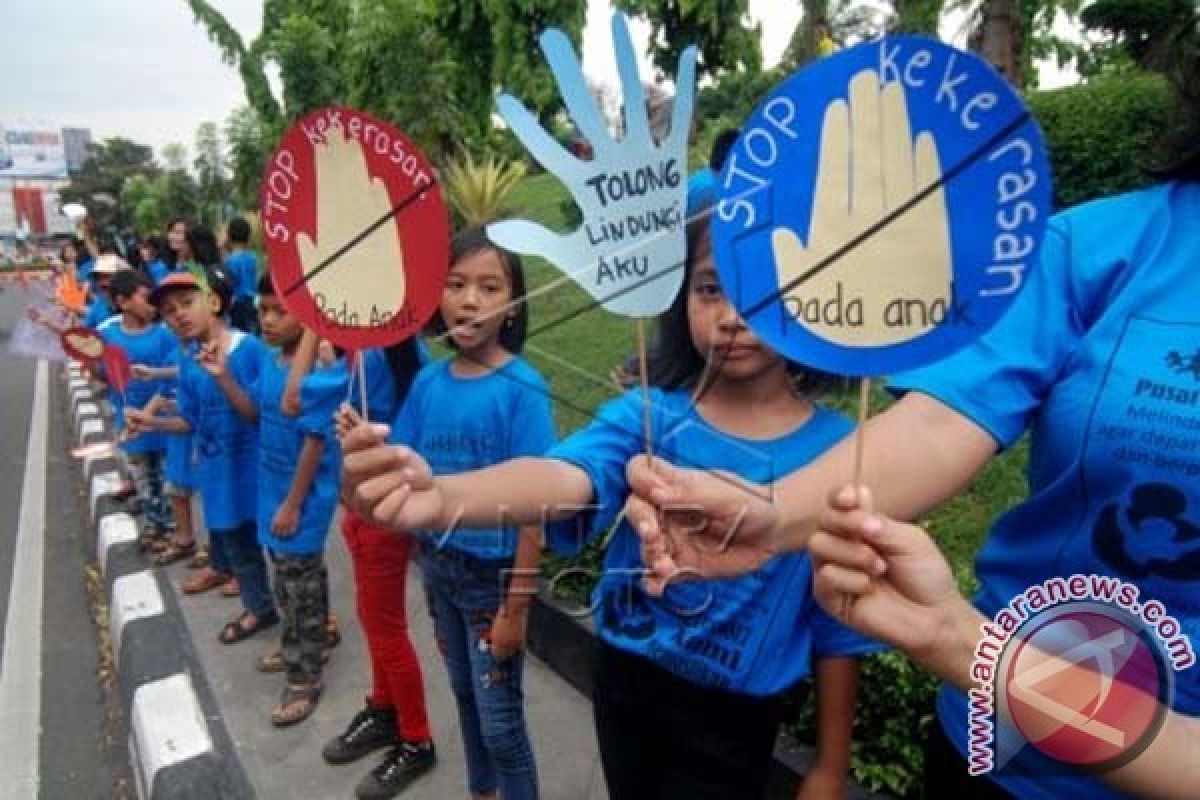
(689, 687)
(1097, 360)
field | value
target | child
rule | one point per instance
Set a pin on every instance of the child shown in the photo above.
(395, 709)
(153, 249)
(243, 266)
(297, 495)
(461, 413)
(224, 448)
(149, 346)
(688, 687)
(100, 306)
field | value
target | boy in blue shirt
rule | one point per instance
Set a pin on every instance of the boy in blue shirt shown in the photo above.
(243, 266)
(147, 343)
(297, 496)
(224, 446)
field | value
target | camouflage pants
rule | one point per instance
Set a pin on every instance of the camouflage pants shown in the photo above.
(302, 594)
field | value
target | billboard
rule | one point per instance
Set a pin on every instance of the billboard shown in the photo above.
(28, 151)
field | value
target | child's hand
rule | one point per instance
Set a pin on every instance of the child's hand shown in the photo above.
(822, 784)
(392, 486)
(345, 419)
(136, 421)
(290, 404)
(141, 372)
(213, 358)
(508, 631)
(326, 355)
(286, 521)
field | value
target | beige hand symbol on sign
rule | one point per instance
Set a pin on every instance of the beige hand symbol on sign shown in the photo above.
(369, 277)
(901, 276)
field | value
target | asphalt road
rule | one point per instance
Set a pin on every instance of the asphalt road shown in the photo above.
(61, 737)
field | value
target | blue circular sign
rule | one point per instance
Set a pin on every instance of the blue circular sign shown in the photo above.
(882, 207)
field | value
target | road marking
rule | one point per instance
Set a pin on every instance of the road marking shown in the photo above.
(21, 665)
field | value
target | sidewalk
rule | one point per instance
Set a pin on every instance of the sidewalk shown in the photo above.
(286, 764)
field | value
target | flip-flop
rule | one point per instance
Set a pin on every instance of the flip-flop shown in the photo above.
(201, 559)
(198, 584)
(174, 552)
(235, 631)
(303, 699)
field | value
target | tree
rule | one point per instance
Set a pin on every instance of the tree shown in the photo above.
(1012, 34)
(212, 183)
(917, 16)
(517, 62)
(1136, 32)
(720, 29)
(247, 150)
(97, 185)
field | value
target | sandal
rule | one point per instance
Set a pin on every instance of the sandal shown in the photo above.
(201, 559)
(236, 630)
(174, 552)
(333, 633)
(297, 703)
(203, 581)
(273, 662)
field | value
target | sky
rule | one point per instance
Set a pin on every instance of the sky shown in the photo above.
(145, 70)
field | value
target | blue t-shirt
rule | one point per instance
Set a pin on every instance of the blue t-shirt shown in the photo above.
(701, 190)
(157, 270)
(98, 310)
(224, 446)
(1099, 359)
(243, 266)
(178, 467)
(280, 440)
(83, 270)
(461, 424)
(755, 634)
(154, 347)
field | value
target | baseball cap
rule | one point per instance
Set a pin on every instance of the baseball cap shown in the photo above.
(109, 264)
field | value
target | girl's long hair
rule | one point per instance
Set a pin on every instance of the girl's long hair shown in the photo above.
(673, 360)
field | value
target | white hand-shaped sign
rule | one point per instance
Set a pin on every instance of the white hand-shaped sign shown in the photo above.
(870, 165)
(629, 252)
(348, 199)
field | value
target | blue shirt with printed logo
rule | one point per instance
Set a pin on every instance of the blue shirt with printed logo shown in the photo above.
(756, 634)
(280, 441)
(1099, 361)
(460, 424)
(153, 347)
(224, 446)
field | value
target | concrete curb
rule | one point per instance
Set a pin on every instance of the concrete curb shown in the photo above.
(178, 745)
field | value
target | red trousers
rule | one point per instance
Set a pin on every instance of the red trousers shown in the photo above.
(380, 563)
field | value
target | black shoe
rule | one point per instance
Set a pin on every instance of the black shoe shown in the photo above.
(403, 764)
(371, 729)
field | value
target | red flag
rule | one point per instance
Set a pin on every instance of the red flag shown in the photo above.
(117, 367)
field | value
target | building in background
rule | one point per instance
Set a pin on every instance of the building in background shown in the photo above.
(75, 142)
(34, 163)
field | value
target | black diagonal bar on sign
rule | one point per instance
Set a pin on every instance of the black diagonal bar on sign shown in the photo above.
(350, 245)
(594, 304)
(890, 217)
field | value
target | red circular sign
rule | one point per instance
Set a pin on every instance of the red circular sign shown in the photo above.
(83, 344)
(355, 228)
(1089, 717)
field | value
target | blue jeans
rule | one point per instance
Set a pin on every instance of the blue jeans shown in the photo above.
(464, 594)
(239, 549)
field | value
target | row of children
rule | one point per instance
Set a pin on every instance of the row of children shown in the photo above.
(711, 663)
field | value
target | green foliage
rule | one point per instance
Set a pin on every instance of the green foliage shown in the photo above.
(247, 152)
(212, 186)
(308, 56)
(110, 163)
(481, 191)
(397, 38)
(720, 29)
(1137, 30)
(517, 63)
(1100, 134)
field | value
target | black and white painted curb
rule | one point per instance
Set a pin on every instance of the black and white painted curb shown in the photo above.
(178, 744)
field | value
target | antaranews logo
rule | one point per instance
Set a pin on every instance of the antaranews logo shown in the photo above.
(1079, 668)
